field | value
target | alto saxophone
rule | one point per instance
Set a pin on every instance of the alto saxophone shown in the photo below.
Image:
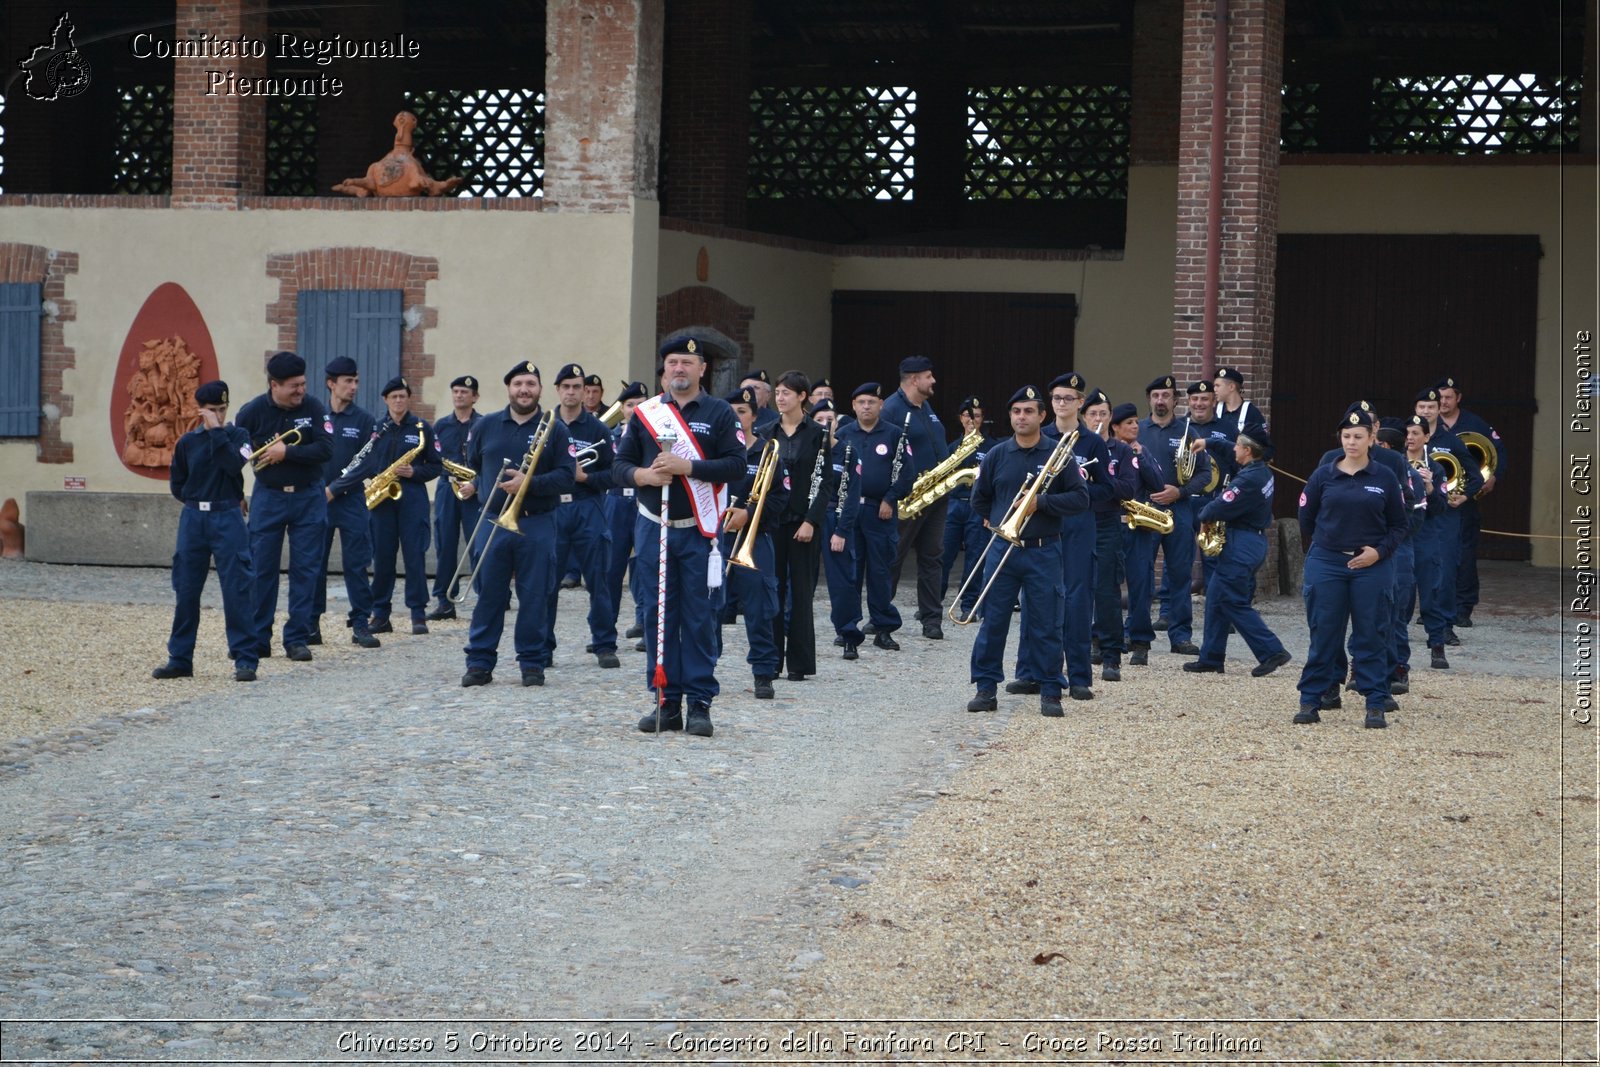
(386, 486)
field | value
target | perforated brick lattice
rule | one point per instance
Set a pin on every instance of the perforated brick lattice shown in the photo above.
(1050, 142)
(494, 138)
(291, 146)
(1300, 114)
(1475, 113)
(142, 153)
(833, 143)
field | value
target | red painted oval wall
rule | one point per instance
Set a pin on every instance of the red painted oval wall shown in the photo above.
(168, 313)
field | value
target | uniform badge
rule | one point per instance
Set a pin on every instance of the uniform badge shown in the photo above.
(1302, 498)
(740, 433)
(1135, 462)
(882, 450)
(437, 447)
(327, 427)
(1229, 495)
(786, 484)
(572, 448)
(244, 450)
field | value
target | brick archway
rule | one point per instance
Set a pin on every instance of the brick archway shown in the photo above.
(362, 268)
(49, 267)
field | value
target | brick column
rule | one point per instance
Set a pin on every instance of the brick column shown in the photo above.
(219, 143)
(1249, 191)
(705, 112)
(1157, 51)
(602, 103)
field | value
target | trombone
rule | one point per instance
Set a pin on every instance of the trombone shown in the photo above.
(291, 436)
(743, 550)
(507, 519)
(460, 594)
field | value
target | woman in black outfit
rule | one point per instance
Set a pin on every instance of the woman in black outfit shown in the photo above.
(796, 544)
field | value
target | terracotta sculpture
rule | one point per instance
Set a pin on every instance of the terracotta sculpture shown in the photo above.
(398, 173)
(10, 531)
(161, 405)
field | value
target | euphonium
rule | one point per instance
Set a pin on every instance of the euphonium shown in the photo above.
(461, 478)
(1483, 453)
(291, 436)
(507, 519)
(386, 486)
(936, 483)
(744, 542)
(1454, 476)
(1213, 535)
(1147, 516)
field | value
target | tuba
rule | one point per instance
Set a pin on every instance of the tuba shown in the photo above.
(1213, 535)
(386, 486)
(743, 552)
(936, 483)
(1147, 516)
(1483, 453)
(1454, 476)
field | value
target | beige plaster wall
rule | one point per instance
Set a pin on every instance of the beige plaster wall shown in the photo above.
(512, 285)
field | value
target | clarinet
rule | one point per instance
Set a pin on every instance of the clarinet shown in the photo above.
(900, 452)
(844, 484)
(377, 432)
(816, 473)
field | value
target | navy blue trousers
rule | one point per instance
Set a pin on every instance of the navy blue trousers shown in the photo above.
(1177, 555)
(218, 534)
(583, 539)
(529, 561)
(1140, 555)
(1428, 595)
(758, 599)
(1405, 587)
(1035, 576)
(692, 609)
(401, 526)
(1335, 596)
(621, 514)
(348, 517)
(844, 589)
(1450, 523)
(964, 534)
(1108, 575)
(1466, 592)
(1078, 536)
(1228, 600)
(303, 515)
(876, 543)
(453, 521)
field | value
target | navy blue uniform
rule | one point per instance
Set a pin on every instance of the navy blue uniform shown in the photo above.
(1218, 438)
(208, 477)
(453, 518)
(963, 530)
(1079, 538)
(839, 517)
(1340, 514)
(348, 517)
(1465, 584)
(1159, 446)
(877, 539)
(1110, 557)
(583, 537)
(1032, 571)
(805, 461)
(1246, 507)
(621, 515)
(530, 559)
(398, 526)
(925, 449)
(1430, 595)
(1139, 546)
(288, 497)
(690, 627)
(757, 589)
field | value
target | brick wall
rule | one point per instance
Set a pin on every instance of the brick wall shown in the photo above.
(361, 268)
(49, 267)
(1157, 47)
(706, 111)
(1250, 192)
(219, 143)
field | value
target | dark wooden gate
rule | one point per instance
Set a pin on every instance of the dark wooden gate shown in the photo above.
(1380, 317)
(986, 345)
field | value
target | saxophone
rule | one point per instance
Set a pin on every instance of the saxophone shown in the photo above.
(386, 486)
(935, 483)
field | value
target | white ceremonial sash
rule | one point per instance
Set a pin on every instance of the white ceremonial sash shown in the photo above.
(708, 499)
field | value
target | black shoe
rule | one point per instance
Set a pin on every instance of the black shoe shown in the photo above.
(172, 670)
(1139, 657)
(1375, 719)
(698, 723)
(1198, 667)
(364, 639)
(850, 650)
(476, 676)
(532, 676)
(1464, 620)
(884, 641)
(796, 676)
(1022, 687)
(1270, 664)
(671, 719)
(264, 653)
(1390, 705)
(419, 627)
(298, 653)
(983, 700)
(1350, 686)
(870, 628)
(1080, 692)
(607, 660)
(381, 626)
(1111, 673)
(639, 645)
(1439, 662)
(634, 631)
(764, 690)
(244, 674)
(933, 631)
(1185, 648)
(1399, 686)
(1096, 657)
(1450, 637)
(838, 640)
(1331, 700)
(1050, 706)
(1306, 715)
(443, 611)
(571, 583)
(315, 638)
(1161, 624)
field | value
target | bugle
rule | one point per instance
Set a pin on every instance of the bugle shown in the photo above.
(291, 436)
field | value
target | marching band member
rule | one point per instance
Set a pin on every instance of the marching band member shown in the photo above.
(1139, 543)
(797, 544)
(1236, 414)
(207, 476)
(1430, 596)
(1032, 569)
(821, 390)
(399, 525)
(924, 449)
(1109, 562)
(839, 562)
(963, 527)
(594, 395)
(347, 510)
(874, 443)
(1430, 405)
(621, 515)
(1352, 517)
(1245, 506)
(453, 518)
(762, 384)
(498, 451)
(1161, 435)
(1217, 438)
(756, 589)
(1392, 438)
(581, 521)
(1458, 420)
(704, 454)
(287, 498)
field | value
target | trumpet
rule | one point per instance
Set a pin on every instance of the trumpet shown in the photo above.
(291, 436)
(743, 552)
(461, 478)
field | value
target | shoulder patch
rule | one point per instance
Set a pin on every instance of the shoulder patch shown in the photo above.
(1230, 495)
(1302, 498)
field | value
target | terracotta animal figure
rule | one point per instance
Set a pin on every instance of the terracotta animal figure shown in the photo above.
(398, 173)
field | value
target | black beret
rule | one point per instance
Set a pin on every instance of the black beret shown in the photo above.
(569, 370)
(756, 376)
(915, 364)
(1123, 412)
(970, 404)
(1230, 375)
(1356, 417)
(1448, 382)
(1201, 387)
(822, 405)
(341, 367)
(1430, 394)
(745, 396)
(1070, 380)
(1262, 439)
(868, 389)
(1395, 439)
(1418, 420)
(1363, 407)
(1024, 395)
(525, 367)
(212, 393)
(466, 381)
(1094, 397)
(681, 344)
(285, 365)
(632, 391)
(821, 383)
(1163, 382)
(1393, 422)
(395, 384)
(593, 379)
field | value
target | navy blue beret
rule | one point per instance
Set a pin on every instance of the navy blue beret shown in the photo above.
(1230, 375)
(821, 383)
(1262, 439)
(1363, 407)
(1094, 397)
(1024, 395)
(1430, 394)
(525, 367)
(970, 404)
(593, 379)
(631, 391)
(1356, 417)
(1123, 412)
(1163, 382)
(394, 385)
(915, 365)
(681, 344)
(1448, 382)
(212, 393)
(342, 367)
(568, 370)
(285, 365)
(1418, 420)
(1070, 380)
(1201, 387)
(756, 376)
(466, 381)
(868, 389)
(822, 405)
(745, 396)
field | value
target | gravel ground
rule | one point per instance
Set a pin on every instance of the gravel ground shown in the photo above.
(359, 838)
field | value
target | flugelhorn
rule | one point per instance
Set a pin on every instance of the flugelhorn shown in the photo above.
(743, 553)
(291, 436)
(461, 478)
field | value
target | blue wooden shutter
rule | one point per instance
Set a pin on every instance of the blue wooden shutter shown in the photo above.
(19, 358)
(363, 324)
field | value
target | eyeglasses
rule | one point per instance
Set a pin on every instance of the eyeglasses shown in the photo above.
(1065, 398)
